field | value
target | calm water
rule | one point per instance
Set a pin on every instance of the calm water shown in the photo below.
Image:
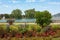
(21, 20)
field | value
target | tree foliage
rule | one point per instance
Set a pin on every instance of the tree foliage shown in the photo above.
(7, 15)
(16, 14)
(43, 18)
(30, 13)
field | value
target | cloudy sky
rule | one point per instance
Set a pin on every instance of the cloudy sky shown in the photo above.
(53, 6)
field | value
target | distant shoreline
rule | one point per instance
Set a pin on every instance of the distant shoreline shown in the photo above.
(19, 23)
(29, 23)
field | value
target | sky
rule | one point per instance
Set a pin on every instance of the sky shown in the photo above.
(53, 6)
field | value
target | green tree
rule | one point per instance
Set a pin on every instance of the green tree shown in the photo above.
(7, 15)
(30, 13)
(1, 15)
(43, 18)
(16, 14)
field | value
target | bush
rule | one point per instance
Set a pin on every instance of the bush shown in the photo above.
(55, 27)
(13, 28)
(28, 31)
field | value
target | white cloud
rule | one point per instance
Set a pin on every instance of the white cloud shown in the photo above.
(30, 0)
(55, 3)
(42, 0)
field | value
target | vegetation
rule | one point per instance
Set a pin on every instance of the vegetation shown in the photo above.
(30, 13)
(17, 14)
(7, 16)
(43, 18)
(31, 38)
(1, 15)
(30, 31)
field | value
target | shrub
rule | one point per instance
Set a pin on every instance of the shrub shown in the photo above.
(55, 27)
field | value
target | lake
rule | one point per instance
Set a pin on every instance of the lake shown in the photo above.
(20, 20)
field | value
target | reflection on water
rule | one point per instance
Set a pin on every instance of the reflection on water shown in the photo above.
(21, 20)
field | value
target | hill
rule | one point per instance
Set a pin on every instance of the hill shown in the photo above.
(56, 15)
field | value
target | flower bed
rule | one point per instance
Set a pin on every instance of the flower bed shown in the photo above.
(28, 31)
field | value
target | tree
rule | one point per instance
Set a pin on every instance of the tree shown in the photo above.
(43, 18)
(7, 15)
(16, 14)
(1, 15)
(30, 13)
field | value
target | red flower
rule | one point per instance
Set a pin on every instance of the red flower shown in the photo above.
(53, 33)
(18, 35)
(33, 34)
(39, 35)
